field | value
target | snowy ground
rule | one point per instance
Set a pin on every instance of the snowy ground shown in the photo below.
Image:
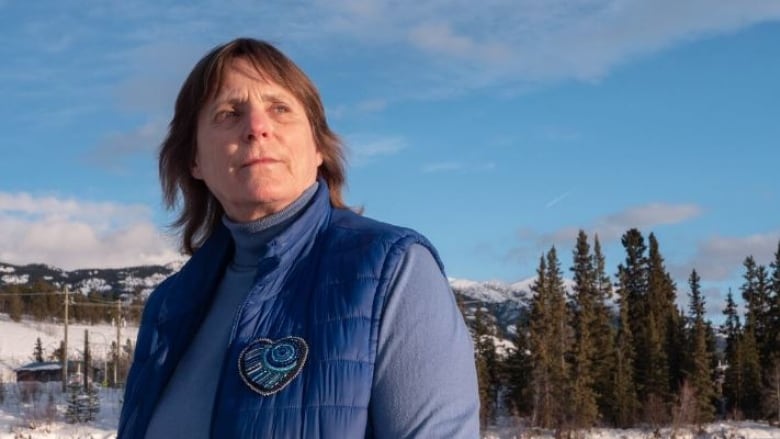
(717, 430)
(17, 341)
(42, 416)
(38, 413)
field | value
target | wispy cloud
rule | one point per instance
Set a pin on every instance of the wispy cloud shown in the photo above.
(439, 38)
(71, 233)
(457, 167)
(557, 199)
(526, 41)
(720, 257)
(609, 228)
(612, 227)
(114, 149)
(366, 149)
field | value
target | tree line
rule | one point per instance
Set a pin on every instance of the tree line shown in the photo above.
(623, 354)
(41, 301)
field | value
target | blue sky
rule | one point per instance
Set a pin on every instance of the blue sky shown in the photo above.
(497, 128)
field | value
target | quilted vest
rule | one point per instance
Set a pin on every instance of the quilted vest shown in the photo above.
(322, 283)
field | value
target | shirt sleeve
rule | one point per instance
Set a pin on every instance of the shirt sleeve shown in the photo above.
(425, 383)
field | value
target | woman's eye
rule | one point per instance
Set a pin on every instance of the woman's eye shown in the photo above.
(227, 114)
(280, 108)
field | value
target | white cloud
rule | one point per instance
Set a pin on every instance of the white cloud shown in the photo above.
(72, 233)
(440, 38)
(113, 150)
(613, 226)
(366, 149)
(720, 257)
(519, 41)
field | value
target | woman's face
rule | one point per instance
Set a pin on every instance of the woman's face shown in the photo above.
(255, 148)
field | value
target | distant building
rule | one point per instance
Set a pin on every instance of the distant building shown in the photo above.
(43, 371)
(46, 371)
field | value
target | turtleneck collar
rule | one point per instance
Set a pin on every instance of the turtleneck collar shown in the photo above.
(251, 238)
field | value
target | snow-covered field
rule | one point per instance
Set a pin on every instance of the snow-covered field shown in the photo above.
(17, 341)
(37, 412)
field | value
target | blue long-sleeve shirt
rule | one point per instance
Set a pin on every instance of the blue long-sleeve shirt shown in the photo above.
(424, 377)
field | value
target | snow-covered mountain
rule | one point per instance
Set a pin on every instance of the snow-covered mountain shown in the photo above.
(502, 303)
(119, 281)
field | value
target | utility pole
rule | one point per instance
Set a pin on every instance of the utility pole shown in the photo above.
(65, 345)
(118, 320)
(87, 361)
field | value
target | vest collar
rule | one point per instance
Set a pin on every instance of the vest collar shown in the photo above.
(196, 282)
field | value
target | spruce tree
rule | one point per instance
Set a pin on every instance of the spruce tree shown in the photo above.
(550, 338)
(626, 401)
(487, 368)
(518, 370)
(584, 407)
(14, 304)
(699, 374)
(541, 385)
(755, 293)
(750, 399)
(774, 304)
(732, 355)
(603, 331)
(753, 335)
(661, 296)
(634, 280)
(561, 338)
(38, 351)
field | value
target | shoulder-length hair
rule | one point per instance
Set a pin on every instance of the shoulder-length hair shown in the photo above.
(200, 212)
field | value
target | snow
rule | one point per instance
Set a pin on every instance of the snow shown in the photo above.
(46, 365)
(17, 341)
(43, 416)
(93, 284)
(15, 279)
(130, 283)
(715, 430)
(6, 269)
(41, 419)
(490, 291)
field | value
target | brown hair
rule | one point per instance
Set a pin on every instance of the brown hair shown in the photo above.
(200, 211)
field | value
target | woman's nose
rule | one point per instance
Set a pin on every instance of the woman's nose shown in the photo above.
(258, 125)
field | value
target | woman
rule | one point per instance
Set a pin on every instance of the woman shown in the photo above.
(294, 317)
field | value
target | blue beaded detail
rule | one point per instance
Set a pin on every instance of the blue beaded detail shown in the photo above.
(267, 366)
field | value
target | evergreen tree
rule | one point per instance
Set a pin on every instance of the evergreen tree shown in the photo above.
(585, 409)
(518, 369)
(603, 336)
(14, 304)
(38, 350)
(772, 391)
(662, 321)
(699, 374)
(73, 404)
(626, 401)
(733, 381)
(750, 400)
(550, 339)
(755, 293)
(774, 304)
(634, 280)
(487, 368)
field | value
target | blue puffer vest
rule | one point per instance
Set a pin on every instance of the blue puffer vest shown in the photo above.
(323, 280)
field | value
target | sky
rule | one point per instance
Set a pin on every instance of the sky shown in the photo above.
(496, 128)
